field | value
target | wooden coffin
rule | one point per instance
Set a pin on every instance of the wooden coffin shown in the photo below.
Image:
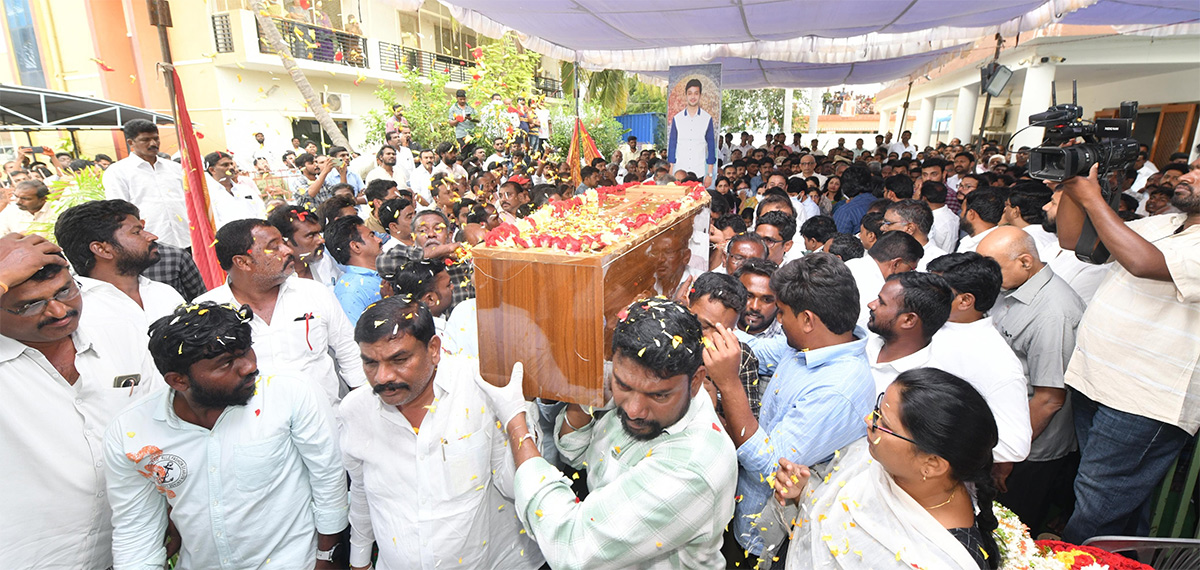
(555, 311)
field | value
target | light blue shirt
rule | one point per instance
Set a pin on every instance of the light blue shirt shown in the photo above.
(816, 405)
(334, 178)
(356, 289)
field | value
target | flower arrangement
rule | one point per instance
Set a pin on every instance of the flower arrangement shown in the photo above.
(1020, 552)
(579, 225)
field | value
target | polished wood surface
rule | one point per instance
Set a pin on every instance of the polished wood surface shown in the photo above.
(555, 312)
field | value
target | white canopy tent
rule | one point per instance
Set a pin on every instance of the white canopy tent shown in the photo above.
(652, 35)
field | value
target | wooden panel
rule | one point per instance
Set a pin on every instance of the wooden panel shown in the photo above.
(555, 312)
(1176, 129)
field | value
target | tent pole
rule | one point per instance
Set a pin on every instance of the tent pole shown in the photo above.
(987, 102)
(575, 71)
(75, 142)
(904, 112)
(160, 15)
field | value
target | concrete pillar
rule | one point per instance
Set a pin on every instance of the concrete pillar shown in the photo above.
(814, 109)
(963, 124)
(1035, 98)
(787, 113)
(884, 117)
(923, 130)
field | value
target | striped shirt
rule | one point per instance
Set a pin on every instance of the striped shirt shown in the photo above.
(816, 405)
(662, 503)
(1138, 346)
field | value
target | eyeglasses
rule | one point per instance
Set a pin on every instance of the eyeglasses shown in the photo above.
(891, 223)
(771, 241)
(875, 415)
(36, 307)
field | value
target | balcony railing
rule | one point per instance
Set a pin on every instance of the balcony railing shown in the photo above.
(315, 43)
(548, 86)
(222, 33)
(393, 57)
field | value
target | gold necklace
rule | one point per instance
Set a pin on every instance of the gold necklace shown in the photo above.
(947, 501)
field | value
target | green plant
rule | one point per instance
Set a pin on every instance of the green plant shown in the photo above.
(86, 186)
(376, 119)
(427, 111)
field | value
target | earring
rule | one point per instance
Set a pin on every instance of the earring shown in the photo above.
(924, 477)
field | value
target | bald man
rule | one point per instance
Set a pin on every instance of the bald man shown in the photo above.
(1037, 314)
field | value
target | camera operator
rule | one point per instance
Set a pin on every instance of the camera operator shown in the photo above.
(1134, 375)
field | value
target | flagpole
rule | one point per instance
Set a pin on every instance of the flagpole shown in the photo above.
(160, 17)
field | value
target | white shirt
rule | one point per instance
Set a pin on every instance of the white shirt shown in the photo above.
(56, 512)
(418, 181)
(944, 233)
(900, 148)
(293, 345)
(105, 304)
(326, 271)
(398, 175)
(456, 172)
(404, 161)
(157, 190)
(969, 243)
(436, 496)
(952, 183)
(256, 489)
(14, 219)
(886, 372)
(239, 202)
(978, 354)
(462, 331)
(869, 279)
(1083, 277)
(932, 252)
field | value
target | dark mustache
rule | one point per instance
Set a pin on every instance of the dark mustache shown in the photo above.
(47, 322)
(391, 386)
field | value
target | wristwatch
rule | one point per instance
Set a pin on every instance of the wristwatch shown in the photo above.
(327, 555)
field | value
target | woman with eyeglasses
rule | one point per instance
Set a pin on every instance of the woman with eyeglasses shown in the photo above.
(906, 495)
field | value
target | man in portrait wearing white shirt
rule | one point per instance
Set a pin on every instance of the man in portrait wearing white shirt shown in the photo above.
(970, 347)
(62, 383)
(431, 478)
(109, 247)
(245, 465)
(230, 199)
(691, 141)
(299, 326)
(155, 186)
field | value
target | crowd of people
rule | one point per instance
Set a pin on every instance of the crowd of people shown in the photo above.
(880, 342)
(843, 102)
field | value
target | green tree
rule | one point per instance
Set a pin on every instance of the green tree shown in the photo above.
(426, 111)
(608, 88)
(751, 110)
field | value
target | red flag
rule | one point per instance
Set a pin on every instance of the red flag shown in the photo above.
(196, 195)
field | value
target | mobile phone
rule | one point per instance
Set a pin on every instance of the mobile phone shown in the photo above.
(33, 149)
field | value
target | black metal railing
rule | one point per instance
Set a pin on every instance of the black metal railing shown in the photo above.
(222, 33)
(394, 57)
(315, 43)
(548, 86)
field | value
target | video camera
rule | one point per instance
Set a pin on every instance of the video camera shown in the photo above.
(1107, 142)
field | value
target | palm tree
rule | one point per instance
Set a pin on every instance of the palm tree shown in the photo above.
(275, 40)
(608, 88)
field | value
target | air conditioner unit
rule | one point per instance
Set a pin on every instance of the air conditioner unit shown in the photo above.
(997, 119)
(338, 103)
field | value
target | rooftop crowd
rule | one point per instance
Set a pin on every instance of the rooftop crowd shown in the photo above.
(875, 343)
